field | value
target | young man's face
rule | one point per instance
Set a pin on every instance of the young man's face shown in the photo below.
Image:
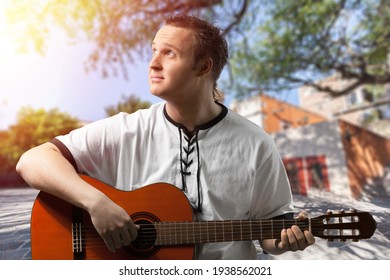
(172, 74)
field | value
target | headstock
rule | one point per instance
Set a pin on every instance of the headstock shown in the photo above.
(343, 225)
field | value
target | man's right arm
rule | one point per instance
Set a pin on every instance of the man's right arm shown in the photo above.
(45, 169)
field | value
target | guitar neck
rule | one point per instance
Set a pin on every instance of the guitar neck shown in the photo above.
(180, 233)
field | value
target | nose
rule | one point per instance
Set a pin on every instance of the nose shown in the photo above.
(155, 62)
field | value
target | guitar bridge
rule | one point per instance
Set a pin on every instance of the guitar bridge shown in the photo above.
(77, 234)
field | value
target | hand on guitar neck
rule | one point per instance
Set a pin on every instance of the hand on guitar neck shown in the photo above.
(291, 239)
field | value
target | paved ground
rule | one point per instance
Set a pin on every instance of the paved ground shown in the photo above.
(16, 203)
(15, 211)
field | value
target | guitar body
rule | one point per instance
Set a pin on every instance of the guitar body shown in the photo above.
(52, 220)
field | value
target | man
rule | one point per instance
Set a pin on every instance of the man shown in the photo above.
(227, 166)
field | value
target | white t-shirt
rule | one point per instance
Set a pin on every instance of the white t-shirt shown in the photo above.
(230, 169)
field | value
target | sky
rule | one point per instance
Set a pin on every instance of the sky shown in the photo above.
(58, 79)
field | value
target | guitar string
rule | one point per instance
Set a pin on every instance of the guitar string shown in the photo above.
(201, 226)
(98, 242)
(197, 235)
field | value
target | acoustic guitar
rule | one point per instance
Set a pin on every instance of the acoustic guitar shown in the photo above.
(167, 229)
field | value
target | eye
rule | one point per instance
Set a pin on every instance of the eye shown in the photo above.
(169, 53)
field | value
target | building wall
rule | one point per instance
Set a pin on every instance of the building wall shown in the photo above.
(368, 155)
(362, 106)
(274, 115)
(321, 140)
(279, 115)
(249, 108)
(320, 156)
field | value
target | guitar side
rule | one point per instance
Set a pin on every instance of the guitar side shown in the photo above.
(52, 219)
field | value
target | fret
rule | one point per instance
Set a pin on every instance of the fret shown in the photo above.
(223, 231)
(232, 229)
(261, 229)
(247, 232)
(236, 227)
(187, 232)
(215, 231)
(200, 231)
(241, 228)
(250, 230)
(207, 231)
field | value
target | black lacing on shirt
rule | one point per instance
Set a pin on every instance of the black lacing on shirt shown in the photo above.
(185, 152)
(186, 162)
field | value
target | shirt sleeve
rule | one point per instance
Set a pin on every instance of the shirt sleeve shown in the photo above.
(272, 195)
(93, 149)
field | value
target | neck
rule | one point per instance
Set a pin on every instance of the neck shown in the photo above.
(192, 113)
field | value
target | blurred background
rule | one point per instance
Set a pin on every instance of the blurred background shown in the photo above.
(314, 74)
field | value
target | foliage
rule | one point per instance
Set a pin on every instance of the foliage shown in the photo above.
(33, 127)
(304, 40)
(274, 44)
(129, 104)
(120, 29)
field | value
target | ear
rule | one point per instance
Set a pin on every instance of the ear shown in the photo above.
(205, 66)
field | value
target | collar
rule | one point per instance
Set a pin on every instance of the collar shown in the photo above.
(204, 126)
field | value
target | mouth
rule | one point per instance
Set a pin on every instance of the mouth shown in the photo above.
(156, 78)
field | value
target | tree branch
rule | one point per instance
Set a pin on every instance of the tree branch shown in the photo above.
(238, 17)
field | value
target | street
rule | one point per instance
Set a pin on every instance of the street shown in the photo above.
(16, 204)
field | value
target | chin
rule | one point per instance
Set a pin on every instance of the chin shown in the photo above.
(158, 94)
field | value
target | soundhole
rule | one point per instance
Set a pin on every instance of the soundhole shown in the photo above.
(144, 245)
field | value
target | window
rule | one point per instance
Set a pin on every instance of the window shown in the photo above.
(307, 173)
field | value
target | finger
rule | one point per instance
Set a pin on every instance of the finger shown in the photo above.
(117, 239)
(283, 244)
(299, 237)
(126, 237)
(303, 215)
(292, 241)
(132, 230)
(309, 237)
(109, 242)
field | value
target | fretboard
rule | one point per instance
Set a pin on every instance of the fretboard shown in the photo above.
(180, 233)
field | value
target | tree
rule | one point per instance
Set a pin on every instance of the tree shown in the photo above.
(303, 41)
(129, 104)
(274, 45)
(33, 127)
(121, 30)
